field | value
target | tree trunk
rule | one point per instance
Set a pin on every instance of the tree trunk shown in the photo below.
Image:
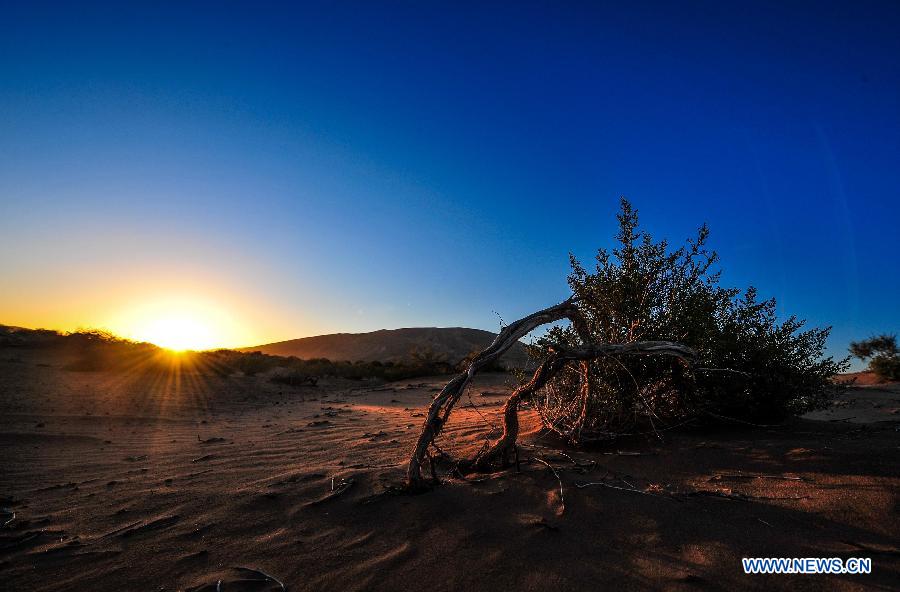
(443, 403)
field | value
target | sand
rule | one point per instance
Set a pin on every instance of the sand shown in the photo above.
(129, 482)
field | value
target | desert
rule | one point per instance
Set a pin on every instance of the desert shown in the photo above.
(172, 482)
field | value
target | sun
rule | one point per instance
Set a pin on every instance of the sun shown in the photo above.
(178, 333)
(180, 322)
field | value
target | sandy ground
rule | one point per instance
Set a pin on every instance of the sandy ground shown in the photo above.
(126, 482)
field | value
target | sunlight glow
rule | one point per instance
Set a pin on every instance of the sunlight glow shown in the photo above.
(178, 324)
(178, 333)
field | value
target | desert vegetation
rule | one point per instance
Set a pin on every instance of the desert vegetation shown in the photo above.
(95, 350)
(652, 341)
(882, 354)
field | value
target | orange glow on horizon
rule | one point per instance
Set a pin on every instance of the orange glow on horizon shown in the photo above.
(178, 333)
(179, 324)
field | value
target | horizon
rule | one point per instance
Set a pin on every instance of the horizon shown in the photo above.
(224, 176)
(63, 332)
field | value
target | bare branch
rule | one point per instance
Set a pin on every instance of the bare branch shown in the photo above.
(442, 405)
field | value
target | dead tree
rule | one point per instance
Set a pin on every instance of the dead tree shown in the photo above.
(442, 405)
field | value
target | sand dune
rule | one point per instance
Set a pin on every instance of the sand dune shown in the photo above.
(392, 345)
(124, 483)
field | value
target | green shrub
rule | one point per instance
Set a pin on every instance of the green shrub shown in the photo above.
(751, 367)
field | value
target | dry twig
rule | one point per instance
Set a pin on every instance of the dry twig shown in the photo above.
(11, 514)
(342, 486)
(562, 499)
(265, 577)
(631, 489)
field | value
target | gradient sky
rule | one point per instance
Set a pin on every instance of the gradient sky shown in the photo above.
(300, 169)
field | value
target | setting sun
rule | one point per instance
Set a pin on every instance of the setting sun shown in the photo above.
(179, 323)
(178, 333)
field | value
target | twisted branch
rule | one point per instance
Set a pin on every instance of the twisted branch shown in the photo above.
(442, 405)
(547, 370)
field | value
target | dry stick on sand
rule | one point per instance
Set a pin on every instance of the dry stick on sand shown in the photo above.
(741, 497)
(742, 476)
(342, 486)
(562, 498)
(631, 489)
(12, 516)
(265, 577)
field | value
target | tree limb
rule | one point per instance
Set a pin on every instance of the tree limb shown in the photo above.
(442, 405)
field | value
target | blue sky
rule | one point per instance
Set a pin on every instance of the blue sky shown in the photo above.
(323, 167)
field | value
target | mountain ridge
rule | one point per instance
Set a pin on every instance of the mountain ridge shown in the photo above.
(392, 345)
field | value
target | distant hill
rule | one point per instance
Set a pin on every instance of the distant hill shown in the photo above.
(11, 336)
(393, 345)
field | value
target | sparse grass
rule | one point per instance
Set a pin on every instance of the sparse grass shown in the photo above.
(96, 350)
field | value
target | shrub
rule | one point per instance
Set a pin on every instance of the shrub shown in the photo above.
(97, 349)
(294, 378)
(493, 366)
(882, 353)
(425, 360)
(253, 363)
(750, 366)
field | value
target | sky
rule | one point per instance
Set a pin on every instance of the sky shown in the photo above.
(284, 170)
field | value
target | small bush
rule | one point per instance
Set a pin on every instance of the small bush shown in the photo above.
(97, 350)
(427, 361)
(494, 366)
(294, 378)
(882, 353)
(251, 364)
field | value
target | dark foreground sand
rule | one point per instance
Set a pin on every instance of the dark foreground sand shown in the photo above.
(128, 482)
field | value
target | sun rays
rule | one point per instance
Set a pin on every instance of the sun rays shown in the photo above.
(179, 322)
(158, 382)
(179, 332)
